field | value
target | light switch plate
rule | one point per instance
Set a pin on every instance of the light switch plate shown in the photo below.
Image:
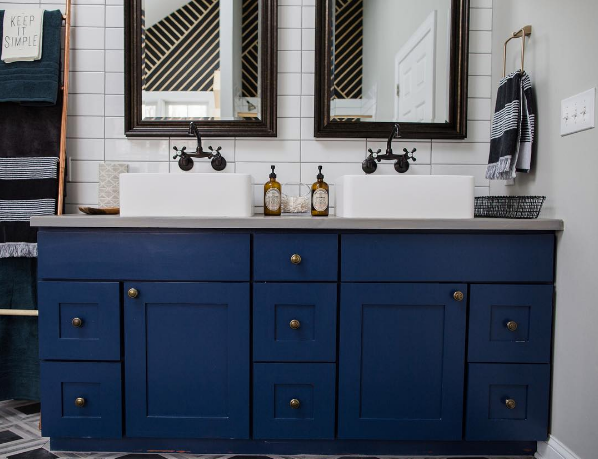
(578, 113)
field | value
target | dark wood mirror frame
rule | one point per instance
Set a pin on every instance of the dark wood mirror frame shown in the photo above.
(135, 126)
(456, 128)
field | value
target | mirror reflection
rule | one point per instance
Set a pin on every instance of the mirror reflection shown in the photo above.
(391, 61)
(200, 60)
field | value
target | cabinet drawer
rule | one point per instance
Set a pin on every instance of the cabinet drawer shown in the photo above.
(293, 401)
(274, 257)
(148, 256)
(510, 323)
(447, 257)
(81, 399)
(507, 402)
(294, 323)
(79, 321)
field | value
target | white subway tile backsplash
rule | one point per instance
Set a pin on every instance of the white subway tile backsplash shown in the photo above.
(275, 151)
(289, 17)
(96, 111)
(86, 83)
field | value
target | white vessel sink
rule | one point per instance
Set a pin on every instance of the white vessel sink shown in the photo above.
(405, 196)
(186, 195)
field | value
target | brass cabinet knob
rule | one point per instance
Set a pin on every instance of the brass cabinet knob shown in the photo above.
(295, 404)
(458, 296)
(133, 293)
(510, 404)
(295, 324)
(296, 259)
(80, 402)
(77, 323)
(512, 325)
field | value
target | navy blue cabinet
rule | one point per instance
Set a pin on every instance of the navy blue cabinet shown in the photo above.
(187, 360)
(402, 361)
(339, 343)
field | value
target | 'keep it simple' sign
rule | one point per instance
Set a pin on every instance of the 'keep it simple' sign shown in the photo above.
(22, 31)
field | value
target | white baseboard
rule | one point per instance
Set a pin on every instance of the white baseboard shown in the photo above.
(554, 449)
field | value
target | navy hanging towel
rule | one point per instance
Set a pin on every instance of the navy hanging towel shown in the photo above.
(34, 82)
(28, 173)
(513, 128)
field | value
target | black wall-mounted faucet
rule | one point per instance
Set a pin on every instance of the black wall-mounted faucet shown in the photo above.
(370, 165)
(186, 159)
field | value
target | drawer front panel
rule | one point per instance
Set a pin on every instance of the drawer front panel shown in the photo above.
(293, 401)
(447, 257)
(294, 323)
(79, 321)
(81, 399)
(318, 257)
(510, 323)
(507, 402)
(148, 256)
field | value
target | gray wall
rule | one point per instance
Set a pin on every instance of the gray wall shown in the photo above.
(562, 61)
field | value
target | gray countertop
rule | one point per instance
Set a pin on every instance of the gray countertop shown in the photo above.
(297, 223)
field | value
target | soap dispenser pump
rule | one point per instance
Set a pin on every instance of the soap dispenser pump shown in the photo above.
(319, 196)
(272, 195)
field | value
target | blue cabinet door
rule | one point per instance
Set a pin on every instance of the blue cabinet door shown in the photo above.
(402, 358)
(187, 360)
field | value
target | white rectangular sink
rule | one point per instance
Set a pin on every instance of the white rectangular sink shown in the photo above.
(186, 195)
(405, 196)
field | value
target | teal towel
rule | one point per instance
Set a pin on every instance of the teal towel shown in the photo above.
(19, 366)
(34, 82)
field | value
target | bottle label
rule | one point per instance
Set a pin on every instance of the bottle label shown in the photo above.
(320, 200)
(272, 199)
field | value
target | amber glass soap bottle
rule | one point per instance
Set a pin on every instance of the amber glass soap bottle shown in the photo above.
(272, 191)
(319, 196)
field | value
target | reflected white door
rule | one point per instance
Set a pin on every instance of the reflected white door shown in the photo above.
(415, 72)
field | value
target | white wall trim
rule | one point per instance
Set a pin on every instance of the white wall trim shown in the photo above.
(554, 449)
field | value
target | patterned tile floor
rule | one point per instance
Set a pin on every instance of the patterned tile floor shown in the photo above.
(20, 438)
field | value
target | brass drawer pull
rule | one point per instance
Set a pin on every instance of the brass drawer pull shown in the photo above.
(296, 259)
(76, 322)
(295, 404)
(295, 324)
(133, 293)
(512, 325)
(80, 402)
(458, 296)
(511, 404)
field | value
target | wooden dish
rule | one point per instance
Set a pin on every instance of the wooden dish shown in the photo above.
(97, 211)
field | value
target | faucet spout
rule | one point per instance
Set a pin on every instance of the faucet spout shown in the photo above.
(396, 133)
(193, 130)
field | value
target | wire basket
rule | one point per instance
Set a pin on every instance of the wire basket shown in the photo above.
(517, 207)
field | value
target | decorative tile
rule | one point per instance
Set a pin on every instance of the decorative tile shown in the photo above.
(29, 409)
(39, 453)
(7, 436)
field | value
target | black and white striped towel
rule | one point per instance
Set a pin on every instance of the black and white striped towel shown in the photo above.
(29, 148)
(513, 128)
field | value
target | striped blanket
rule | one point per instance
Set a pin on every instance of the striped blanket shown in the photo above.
(513, 128)
(28, 173)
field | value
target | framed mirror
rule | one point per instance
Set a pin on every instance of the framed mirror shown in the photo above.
(212, 62)
(381, 62)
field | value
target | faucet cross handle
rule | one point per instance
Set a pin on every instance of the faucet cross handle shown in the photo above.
(374, 154)
(410, 155)
(179, 154)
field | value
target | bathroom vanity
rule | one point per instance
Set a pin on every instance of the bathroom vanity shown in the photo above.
(296, 335)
